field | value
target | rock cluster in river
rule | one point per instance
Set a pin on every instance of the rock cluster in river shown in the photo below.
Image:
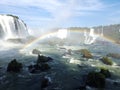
(14, 66)
(96, 79)
(40, 65)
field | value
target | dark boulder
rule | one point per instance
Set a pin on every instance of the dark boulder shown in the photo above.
(40, 65)
(46, 81)
(43, 59)
(116, 83)
(34, 68)
(36, 51)
(14, 66)
(69, 51)
(95, 79)
(81, 88)
(38, 68)
(105, 72)
(45, 67)
(50, 59)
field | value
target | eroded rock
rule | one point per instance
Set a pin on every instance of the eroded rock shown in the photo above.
(14, 66)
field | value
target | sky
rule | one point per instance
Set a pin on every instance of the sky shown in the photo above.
(40, 14)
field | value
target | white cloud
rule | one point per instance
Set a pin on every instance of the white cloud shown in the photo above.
(59, 11)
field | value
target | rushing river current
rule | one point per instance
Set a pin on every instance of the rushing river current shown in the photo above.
(65, 72)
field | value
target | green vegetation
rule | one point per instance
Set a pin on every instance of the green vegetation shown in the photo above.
(105, 72)
(14, 66)
(107, 61)
(97, 79)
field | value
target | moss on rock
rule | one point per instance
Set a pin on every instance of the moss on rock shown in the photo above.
(105, 72)
(86, 53)
(107, 61)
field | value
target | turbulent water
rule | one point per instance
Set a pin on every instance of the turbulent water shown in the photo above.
(68, 70)
(65, 71)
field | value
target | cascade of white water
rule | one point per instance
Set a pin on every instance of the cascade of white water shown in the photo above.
(102, 31)
(5, 24)
(21, 28)
(86, 36)
(12, 27)
(90, 37)
(62, 33)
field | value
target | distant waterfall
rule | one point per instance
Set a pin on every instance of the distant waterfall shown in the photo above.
(12, 27)
(102, 31)
(89, 37)
(62, 33)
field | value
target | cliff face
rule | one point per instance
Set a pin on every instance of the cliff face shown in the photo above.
(111, 31)
(12, 27)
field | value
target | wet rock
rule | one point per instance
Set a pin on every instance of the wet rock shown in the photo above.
(45, 82)
(77, 51)
(0, 67)
(45, 67)
(95, 79)
(62, 48)
(14, 66)
(106, 60)
(38, 68)
(36, 51)
(114, 55)
(80, 65)
(50, 59)
(69, 51)
(82, 88)
(43, 59)
(16, 40)
(40, 65)
(34, 68)
(116, 83)
(118, 41)
(86, 53)
(105, 72)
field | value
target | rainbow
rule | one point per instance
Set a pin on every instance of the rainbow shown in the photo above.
(42, 37)
(46, 35)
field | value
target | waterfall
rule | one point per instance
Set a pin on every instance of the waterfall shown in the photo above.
(62, 33)
(12, 27)
(102, 31)
(89, 37)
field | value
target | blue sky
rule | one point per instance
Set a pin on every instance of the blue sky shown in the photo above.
(63, 13)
